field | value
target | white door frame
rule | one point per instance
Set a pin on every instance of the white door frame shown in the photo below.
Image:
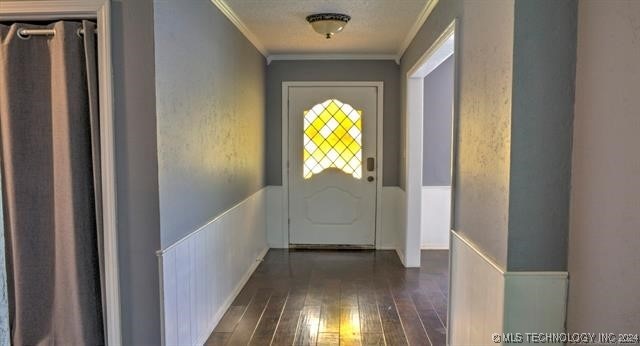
(439, 51)
(285, 147)
(99, 10)
(449, 41)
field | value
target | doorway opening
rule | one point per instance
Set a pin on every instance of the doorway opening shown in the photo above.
(432, 94)
(81, 30)
(430, 112)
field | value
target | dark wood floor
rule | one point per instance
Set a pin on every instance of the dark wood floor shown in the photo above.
(339, 298)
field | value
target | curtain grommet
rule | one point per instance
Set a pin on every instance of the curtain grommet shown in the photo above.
(22, 36)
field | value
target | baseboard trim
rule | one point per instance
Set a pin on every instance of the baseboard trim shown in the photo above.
(434, 247)
(400, 254)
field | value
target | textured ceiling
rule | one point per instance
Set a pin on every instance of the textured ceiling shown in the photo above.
(376, 26)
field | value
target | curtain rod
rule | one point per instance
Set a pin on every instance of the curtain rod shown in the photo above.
(25, 33)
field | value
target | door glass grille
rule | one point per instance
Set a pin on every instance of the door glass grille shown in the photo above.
(332, 139)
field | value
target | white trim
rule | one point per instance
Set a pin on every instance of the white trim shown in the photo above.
(436, 187)
(424, 14)
(285, 145)
(233, 17)
(163, 319)
(236, 290)
(203, 273)
(472, 246)
(274, 57)
(430, 246)
(498, 301)
(100, 10)
(401, 256)
(414, 137)
(285, 164)
(244, 29)
(208, 223)
(564, 275)
(442, 41)
(51, 10)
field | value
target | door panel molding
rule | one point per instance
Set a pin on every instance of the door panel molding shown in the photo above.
(379, 85)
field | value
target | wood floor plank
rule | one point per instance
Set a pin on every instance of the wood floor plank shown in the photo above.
(339, 298)
(286, 330)
(373, 339)
(230, 319)
(243, 331)
(296, 298)
(217, 339)
(370, 322)
(314, 294)
(350, 325)
(413, 328)
(391, 325)
(330, 318)
(328, 339)
(266, 328)
(307, 330)
(435, 328)
(348, 294)
(330, 310)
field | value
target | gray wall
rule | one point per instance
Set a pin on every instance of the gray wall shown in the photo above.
(481, 181)
(541, 130)
(437, 122)
(137, 171)
(605, 198)
(481, 176)
(210, 91)
(339, 70)
(508, 49)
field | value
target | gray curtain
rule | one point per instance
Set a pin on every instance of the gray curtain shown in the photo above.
(49, 129)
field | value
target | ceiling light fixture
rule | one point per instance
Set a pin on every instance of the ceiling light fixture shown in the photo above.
(328, 24)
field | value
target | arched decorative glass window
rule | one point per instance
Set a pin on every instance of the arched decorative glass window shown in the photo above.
(332, 139)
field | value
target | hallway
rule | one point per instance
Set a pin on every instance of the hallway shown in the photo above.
(346, 298)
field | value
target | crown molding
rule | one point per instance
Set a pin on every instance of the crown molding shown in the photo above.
(273, 57)
(231, 15)
(424, 14)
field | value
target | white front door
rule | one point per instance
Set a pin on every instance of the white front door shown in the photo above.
(332, 165)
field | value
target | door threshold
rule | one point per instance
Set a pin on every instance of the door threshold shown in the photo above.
(330, 247)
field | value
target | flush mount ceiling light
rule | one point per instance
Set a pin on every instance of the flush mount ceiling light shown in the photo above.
(328, 24)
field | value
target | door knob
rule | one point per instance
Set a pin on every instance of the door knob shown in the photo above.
(369, 179)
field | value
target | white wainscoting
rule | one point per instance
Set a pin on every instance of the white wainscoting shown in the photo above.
(436, 217)
(476, 295)
(387, 237)
(202, 273)
(276, 226)
(484, 299)
(391, 223)
(535, 302)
